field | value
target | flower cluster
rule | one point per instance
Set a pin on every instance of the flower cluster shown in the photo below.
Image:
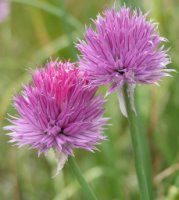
(60, 111)
(124, 49)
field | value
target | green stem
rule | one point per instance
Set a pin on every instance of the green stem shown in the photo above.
(139, 151)
(145, 143)
(76, 170)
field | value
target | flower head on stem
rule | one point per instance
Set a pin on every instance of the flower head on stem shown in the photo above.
(125, 48)
(60, 110)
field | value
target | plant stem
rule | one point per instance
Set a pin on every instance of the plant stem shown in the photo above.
(76, 170)
(139, 151)
(144, 138)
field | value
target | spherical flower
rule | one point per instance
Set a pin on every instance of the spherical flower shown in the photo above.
(4, 9)
(125, 48)
(59, 110)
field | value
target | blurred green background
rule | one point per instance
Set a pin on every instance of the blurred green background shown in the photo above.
(37, 30)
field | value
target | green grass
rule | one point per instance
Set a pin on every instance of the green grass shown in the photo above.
(47, 28)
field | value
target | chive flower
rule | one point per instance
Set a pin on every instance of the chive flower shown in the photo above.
(125, 48)
(60, 111)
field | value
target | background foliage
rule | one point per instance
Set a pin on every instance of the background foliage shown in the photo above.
(38, 29)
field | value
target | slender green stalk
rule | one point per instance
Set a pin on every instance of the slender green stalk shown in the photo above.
(84, 185)
(145, 143)
(139, 151)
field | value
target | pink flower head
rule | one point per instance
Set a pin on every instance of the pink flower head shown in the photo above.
(4, 9)
(59, 110)
(125, 48)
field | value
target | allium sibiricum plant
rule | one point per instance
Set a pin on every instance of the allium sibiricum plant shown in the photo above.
(60, 111)
(125, 48)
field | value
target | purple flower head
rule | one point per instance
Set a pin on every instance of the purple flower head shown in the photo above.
(125, 48)
(4, 9)
(59, 110)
